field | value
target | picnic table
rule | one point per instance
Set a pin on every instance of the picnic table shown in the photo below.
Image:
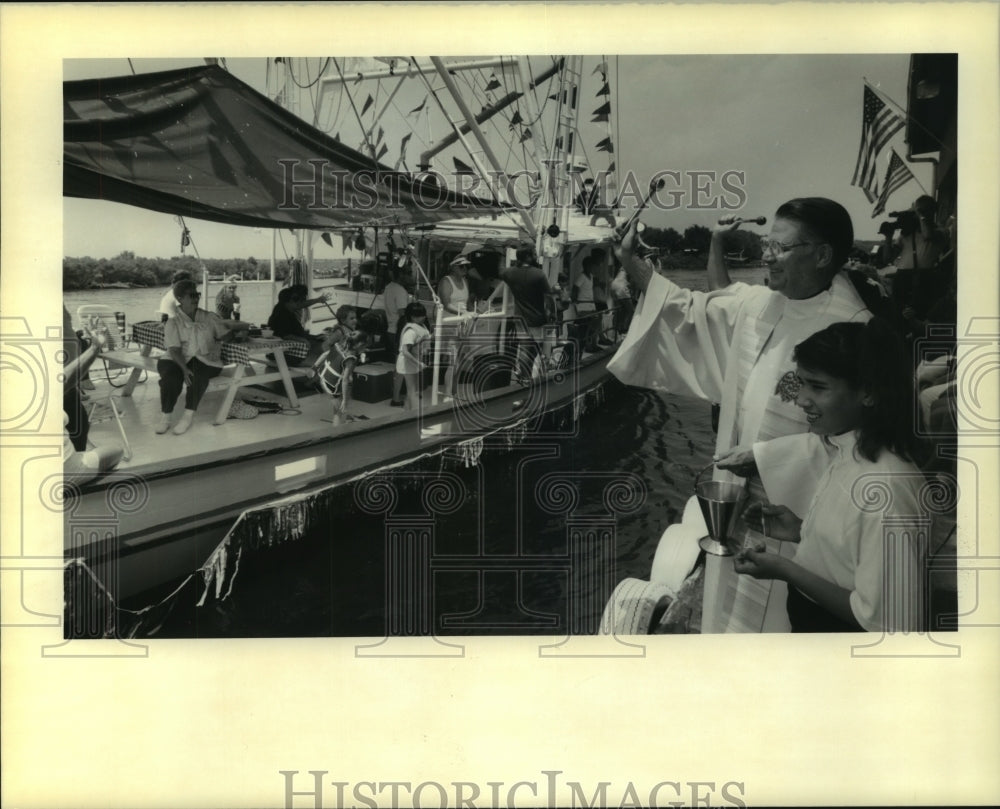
(239, 370)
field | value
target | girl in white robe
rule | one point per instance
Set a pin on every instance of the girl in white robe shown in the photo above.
(847, 491)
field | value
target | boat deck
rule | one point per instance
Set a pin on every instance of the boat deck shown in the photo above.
(207, 443)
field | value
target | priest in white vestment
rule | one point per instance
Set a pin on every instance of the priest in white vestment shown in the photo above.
(733, 346)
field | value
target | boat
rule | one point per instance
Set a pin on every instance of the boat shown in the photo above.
(174, 505)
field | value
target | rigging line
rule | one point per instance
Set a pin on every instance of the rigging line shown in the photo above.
(315, 92)
(496, 128)
(194, 247)
(131, 66)
(331, 125)
(361, 123)
(544, 104)
(412, 129)
(281, 238)
(616, 128)
(906, 115)
(297, 83)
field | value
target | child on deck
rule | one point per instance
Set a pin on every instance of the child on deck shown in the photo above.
(342, 347)
(412, 333)
(847, 574)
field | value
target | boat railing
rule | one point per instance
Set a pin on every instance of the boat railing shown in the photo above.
(565, 329)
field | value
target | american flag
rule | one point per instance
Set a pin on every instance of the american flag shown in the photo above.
(898, 174)
(878, 126)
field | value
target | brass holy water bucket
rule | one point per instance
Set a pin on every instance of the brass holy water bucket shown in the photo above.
(721, 505)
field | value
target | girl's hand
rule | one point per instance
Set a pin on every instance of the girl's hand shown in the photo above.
(97, 332)
(779, 522)
(738, 461)
(758, 562)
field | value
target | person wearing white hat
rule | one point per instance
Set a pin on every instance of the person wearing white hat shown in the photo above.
(227, 302)
(453, 290)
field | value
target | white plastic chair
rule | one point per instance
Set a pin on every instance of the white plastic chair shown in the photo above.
(114, 321)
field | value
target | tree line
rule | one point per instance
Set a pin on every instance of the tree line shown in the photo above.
(696, 239)
(137, 271)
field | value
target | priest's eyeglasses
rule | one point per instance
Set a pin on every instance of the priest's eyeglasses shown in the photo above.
(777, 248)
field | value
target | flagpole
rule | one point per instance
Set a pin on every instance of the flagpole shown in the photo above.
(884, 96)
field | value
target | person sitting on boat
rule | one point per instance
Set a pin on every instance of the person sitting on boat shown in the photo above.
(453, 291)
(286, 322)
(586, 199)
(533, 308)
(342, 347)
(848, 573)
(733, 344)
(81, 464)
(413, 334)
(303, 291)
(168, 303)
(227, 302)
(191, 338)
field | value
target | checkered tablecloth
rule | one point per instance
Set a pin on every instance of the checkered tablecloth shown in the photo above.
(150, 333)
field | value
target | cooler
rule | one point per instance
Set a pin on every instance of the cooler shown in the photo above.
(372, 382)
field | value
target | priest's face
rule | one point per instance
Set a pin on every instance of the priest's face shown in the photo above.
(798, 265)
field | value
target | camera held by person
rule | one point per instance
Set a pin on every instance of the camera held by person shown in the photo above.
(907, 222)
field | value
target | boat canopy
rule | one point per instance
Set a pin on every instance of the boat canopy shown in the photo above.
(198, 142)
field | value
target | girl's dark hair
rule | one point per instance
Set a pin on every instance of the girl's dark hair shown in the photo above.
(343, 312)
(410, 311)
(869, 357)
(826, 220)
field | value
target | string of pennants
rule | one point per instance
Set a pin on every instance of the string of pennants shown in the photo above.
(600, 115)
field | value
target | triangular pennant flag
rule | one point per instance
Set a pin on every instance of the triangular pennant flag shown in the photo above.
(604, 91)
(381, 134)
(326, 238)
(611, 167)
(381, 152)
(494, 84)
(402, 150)
(604, 109)
(606, 146)
(462, 168)
(599, 118)
(526, 135)
(345, 240)
(601, 68)
(517, 119)
(336, 137)
(358, 78)
(417, 109)
(368, 104)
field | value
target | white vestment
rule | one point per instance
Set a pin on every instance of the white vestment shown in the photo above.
(732, 346)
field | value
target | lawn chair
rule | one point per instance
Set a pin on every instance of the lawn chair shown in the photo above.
(115, 322)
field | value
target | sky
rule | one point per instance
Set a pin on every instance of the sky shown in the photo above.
(789, 124)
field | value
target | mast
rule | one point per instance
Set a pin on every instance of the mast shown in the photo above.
(481, 139)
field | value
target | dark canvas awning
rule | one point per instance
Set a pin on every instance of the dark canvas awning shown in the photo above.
(200, 143)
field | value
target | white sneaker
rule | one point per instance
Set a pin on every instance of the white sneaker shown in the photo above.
(163, 424)
(184, 423)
